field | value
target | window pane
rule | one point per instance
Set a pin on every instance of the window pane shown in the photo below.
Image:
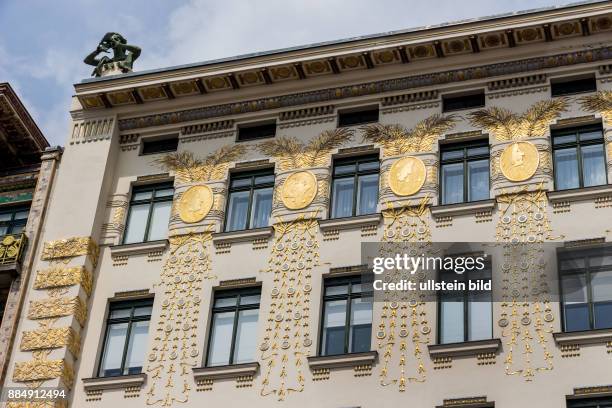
(334, 322)
(344, 169)
(166, 192)
(451, 319)
(593, 165)
(250, 299)
(576, 317)
(564, 139)
(137, 223)
(134, 359)
(17, 229)
(264, 179)
(261, 207)
(159, 220)
(113, 350)
(478, 151)
(246, 336)
(120, 313)
(574, 288)
(237, 211)
(6, 216)
(480, 316)
(361, 326)
(601, 286)
(452, 183)
(342, 200)
(602, 313)
(478, 180)
(143, 311)
(452, 154)
(336, 290)
(373, 165)
(3, 230)
(566, 169)
(592, 135)
(142, 195)
(367, 194)
(226, 301)
(242, 182)
(21, 215)
(220, 338)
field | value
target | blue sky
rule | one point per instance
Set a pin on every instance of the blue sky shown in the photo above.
(43, 42)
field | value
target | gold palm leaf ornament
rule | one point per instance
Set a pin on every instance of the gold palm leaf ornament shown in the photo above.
(600, 102)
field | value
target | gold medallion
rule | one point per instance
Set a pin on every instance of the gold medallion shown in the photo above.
(195, 203)
(299, 190)
(407, 176)
(519, 161)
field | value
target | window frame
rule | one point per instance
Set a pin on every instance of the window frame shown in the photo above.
(225, 293)
(593, 402)
(12, 223)
(564, 80)
(349, 296)
(577, 144)
(357, 111)
(356, 160)
(159, 139)
(251, 188)
(465, 160)
(131, 304)
(151, 201)
(480, 93)
(254, 125)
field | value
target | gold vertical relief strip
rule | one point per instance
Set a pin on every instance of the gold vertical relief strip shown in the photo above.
(526, 317)
(403, 331)
(286, 343)
(175, 349)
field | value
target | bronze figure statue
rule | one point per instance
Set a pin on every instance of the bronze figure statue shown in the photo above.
(123, 54)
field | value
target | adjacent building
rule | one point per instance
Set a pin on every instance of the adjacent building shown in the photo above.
(203, 242)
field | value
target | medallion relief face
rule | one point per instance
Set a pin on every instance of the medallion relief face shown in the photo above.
(519, 161)
(407, 176)
(195, 204)
(299, 190)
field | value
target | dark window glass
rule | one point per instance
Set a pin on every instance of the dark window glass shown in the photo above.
(586, 289)
(602, 402)
(160, 145)
(125, 341)
(465, 315)
(250, 200)
(355, 186)
(252, 132)
(579, 157)
(358, 117)
(13, 220)
(347, 317)
(233, 331)
(561, 87)
(459, 102)
(149, 213)
(464, 172)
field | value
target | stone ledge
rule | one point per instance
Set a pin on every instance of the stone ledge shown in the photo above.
(226, 371)
(350, 222)
(468, 348)
(579, 194)
(117, 382)
(452, 210)
(139, 248)
(600, 336)
(343, 360)
(242, 235)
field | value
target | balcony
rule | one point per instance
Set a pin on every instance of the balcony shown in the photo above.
(12, 247)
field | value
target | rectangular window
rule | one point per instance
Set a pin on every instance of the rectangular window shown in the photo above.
(464, 101)
(579, 157)
(347, 317)
(149, 213)
(601, 402)
(464, 172)
(358, 116)
(355, 186)
(465, 315)
(570, 86)
(160, 144)
(586, 289)
(13, 220)
(233, 331)
(256, 131)
(125, 341)
(250, 200)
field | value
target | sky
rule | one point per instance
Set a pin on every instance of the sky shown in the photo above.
(43, 42)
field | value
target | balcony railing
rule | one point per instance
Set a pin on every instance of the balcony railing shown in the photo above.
(12, 247)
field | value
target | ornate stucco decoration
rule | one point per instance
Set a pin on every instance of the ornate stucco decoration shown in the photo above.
(64, 249)
(601, 102)
(407, 176)
(299, 190)
(195, 203)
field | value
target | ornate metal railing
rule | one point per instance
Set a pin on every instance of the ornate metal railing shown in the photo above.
(11, 248)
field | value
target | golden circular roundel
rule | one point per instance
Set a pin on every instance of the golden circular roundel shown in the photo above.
(299, 190)
(407, 176)
(519, 161)
(195, 204)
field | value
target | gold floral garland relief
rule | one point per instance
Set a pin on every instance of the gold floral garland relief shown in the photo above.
(403, 328)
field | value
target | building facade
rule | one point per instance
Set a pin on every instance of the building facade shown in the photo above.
(203, 242)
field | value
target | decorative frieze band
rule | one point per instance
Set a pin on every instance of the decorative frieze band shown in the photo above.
(70, 248)
(58, 307)
(92, 130)
(517, 82)
(57, 277)
(51, 338)
(409, 98)
(306, 113)
(37, 370)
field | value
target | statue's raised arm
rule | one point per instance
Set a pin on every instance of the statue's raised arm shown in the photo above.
(123, 57)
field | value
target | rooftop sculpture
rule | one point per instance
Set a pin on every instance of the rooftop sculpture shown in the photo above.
(123, 58)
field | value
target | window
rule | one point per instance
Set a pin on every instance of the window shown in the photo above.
(569, 86)
(355, 186)
(233, 333)
(149, 213)
(586, 289)
(250, 200)
(579, 157)
(464, 172)
(465, 315)
(256, 131)
(125, 340)
(358, 116)
(347, 317)
(459, 102)
(13, 220)
(603, 402)
(160, 144)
